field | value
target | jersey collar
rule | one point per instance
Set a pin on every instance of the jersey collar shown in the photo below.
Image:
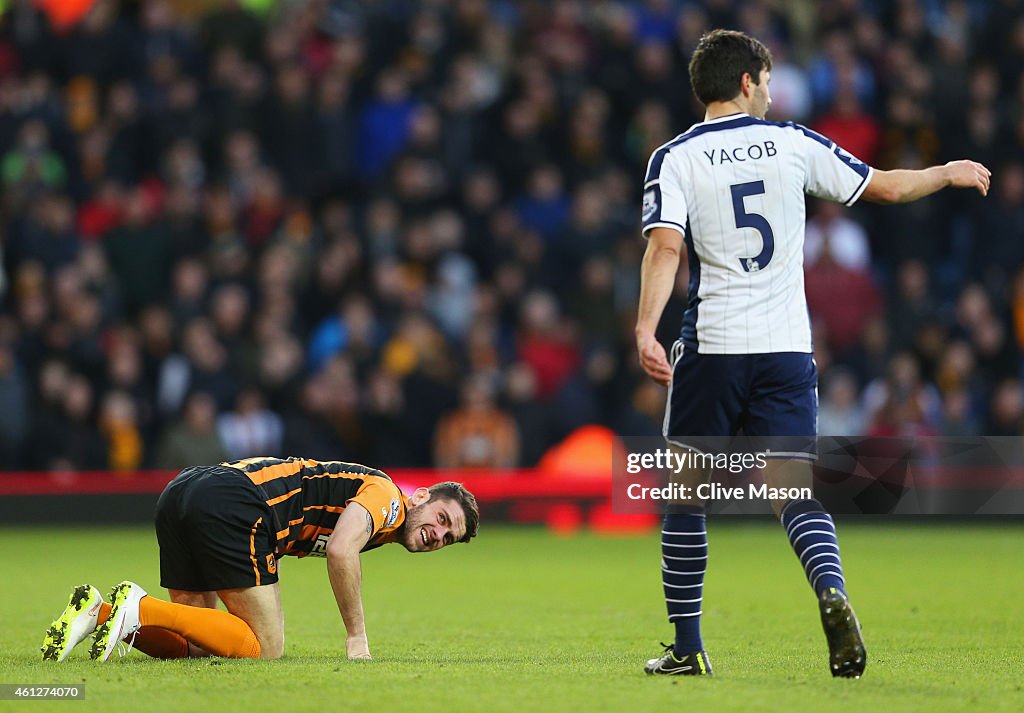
(722, 119)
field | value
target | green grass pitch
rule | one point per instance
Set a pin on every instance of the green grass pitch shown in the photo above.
(521, 620)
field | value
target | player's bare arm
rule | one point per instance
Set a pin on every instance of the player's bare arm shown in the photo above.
(905, 186)
(349, 537)
(657, 280)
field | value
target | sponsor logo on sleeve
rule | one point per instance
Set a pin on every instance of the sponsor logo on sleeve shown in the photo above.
(847, 156)
(650, 204)
(390, 516)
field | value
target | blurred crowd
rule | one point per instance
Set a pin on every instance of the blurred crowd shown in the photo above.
(406, 233)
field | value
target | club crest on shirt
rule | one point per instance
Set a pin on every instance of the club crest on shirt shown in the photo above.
(650, 204)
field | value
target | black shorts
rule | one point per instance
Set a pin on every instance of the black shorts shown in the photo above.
(215, 532)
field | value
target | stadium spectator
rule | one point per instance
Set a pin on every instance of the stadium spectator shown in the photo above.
(279, 368)
(901, 404)
(189, 292)
(912, 307)
(791, 90)
(478, 434)
(139, 251)
(1004, 223)
(47, 236)
(32, 165)
(545, 207)
(1006, 417)
(195, 435)
(645, 414)
(384, 124)
(202, 365)
(250, 427)
(841, 300)
(119, 425)
(313, 423)
(844, 239)
(547, 343)
(840, 413)
(531, 417)
(958, 420)
(67, 439)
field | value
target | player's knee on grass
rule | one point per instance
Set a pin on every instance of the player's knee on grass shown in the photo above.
(271, 649)
(205, 600)
(260, 608)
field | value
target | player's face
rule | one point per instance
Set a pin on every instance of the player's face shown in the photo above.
(432, 525)
(760, 98)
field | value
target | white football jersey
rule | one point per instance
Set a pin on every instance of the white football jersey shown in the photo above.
(734, 187)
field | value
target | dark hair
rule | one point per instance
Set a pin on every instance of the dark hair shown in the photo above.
(721, 59)
(456, 492)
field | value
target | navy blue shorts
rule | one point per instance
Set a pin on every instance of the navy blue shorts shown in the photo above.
(771, 398)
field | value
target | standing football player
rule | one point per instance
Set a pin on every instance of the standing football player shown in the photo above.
(732, 189)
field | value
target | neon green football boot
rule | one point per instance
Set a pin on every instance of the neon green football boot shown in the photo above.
(76, 622)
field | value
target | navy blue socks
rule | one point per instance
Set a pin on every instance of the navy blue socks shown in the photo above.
(684, 559)
(812, 534)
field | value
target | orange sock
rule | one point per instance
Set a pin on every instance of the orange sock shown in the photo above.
(154, 641)
(218, 632)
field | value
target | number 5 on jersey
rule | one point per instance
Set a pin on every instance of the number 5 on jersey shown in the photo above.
(753, 220)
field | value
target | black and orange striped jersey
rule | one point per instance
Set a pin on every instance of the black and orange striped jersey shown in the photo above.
(307, 496)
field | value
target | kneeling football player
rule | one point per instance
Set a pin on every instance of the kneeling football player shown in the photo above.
(221, 530)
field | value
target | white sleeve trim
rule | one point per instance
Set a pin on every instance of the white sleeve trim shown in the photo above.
(664, 224)
(861, 188)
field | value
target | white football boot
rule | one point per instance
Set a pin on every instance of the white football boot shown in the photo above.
(123, 621)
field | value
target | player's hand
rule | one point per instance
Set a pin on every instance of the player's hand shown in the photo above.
(357, 648)
(969, 174)
(653, 359)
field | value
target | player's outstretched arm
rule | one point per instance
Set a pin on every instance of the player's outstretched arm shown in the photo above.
(354, 527)
(657, 280)
(905, 186)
